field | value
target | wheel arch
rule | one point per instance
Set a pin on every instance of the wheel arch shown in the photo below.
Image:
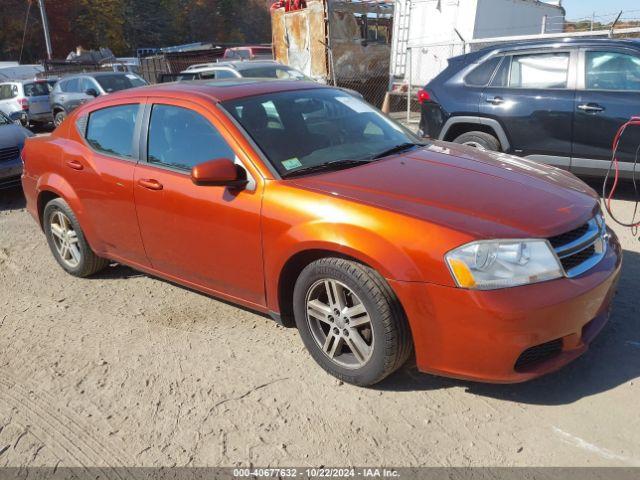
(291, 271)
(51, 186)
(44, 197)
(456, 126)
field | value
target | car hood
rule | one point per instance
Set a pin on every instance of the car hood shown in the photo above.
(487, 195)
(13, 136)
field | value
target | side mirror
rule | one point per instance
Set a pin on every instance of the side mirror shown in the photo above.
(91, 92)
(221, 172)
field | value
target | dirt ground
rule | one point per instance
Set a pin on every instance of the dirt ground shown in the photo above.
(125, 370)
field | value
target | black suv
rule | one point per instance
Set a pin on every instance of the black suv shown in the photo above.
(558, 102)
(72, 91)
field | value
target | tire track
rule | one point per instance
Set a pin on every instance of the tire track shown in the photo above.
(71, 441)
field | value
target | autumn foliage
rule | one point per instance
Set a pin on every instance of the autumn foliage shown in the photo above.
(125, 25)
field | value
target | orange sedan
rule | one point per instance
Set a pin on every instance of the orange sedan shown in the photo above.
(305, 203)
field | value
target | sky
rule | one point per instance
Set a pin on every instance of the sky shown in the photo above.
(577, 9)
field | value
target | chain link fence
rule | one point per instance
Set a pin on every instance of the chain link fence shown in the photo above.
(159, 68)
(346, 43)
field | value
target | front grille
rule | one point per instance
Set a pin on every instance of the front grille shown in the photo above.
(581, 248)
(538, 354)
(572, 236)
(573, 261)
(8, 154)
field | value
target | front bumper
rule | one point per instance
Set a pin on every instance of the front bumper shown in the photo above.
(10, 173)
(481, 335)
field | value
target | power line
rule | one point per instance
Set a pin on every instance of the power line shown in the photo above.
(24, 32)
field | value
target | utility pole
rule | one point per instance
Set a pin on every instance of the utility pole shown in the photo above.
(45, 27)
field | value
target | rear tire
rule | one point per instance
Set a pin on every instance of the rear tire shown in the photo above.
(67, 242)
(350, 321)
(480, 140)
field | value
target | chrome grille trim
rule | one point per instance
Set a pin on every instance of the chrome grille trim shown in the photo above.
(9, 154)
(594, 238)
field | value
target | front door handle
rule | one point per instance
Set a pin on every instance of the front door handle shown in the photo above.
(150, 184)
(74, 164)
(591, 108)
(495, 100)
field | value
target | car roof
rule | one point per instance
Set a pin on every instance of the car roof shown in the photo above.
(560, 42)
(238, 65)
(214, 90)
(95, 74)
(23, 81)
(243, 47)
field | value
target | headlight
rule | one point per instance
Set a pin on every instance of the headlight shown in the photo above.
(493, 264)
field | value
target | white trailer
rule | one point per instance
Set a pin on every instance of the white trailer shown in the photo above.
(429, 32)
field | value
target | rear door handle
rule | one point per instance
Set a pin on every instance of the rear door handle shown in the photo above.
(591, 108)
(495, 100)
(150, 184)
(75, 164)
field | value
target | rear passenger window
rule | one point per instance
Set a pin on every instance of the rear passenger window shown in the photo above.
(225, 74)
(71, 86)
(545, 70)
(481, 75)
(612, 71)
(111, 130)
(181, 138)
(8, 91)
(38, 89)
(5, 92)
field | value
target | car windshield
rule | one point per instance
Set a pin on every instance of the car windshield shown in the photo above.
(304, 130)
(37, 89)
(116, 82)
(273, 71)
(4, 120)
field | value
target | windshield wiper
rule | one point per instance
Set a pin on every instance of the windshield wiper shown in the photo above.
(334, 165)
(397, 149)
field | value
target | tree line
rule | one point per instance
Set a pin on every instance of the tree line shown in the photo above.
(125, 25)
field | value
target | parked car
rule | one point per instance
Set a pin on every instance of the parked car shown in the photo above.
(177, 77)
(71, 92)
(257, 52)
(256, 69)
(304, 202)
(13, 71)
(12, 139)
(555, 101)
(26, 100)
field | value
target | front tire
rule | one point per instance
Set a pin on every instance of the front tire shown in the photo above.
(67, 242)
(59, 117)
(479, 140)
(351, 321)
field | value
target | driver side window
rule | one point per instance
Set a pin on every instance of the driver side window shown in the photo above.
(180, 138)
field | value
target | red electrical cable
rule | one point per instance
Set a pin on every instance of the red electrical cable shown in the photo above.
(633, 122)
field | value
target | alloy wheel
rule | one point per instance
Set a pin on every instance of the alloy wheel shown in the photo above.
(58, 119)
(475, 145)
(65, 239)
(339, 323)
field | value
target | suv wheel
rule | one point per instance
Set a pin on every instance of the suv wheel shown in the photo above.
(350, 321)
(59, 118)
(480, 140)
(67, 242)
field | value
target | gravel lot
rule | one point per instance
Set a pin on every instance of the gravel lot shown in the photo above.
(125, 369)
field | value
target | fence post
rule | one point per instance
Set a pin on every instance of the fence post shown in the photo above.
(409, 71)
